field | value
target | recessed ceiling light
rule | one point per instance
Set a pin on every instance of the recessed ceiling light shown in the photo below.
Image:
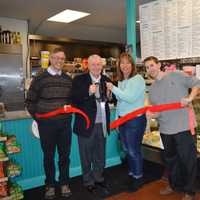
(138, 21)
(68, 16)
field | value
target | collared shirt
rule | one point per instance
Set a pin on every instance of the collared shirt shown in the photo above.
(54, 72)
(94, 79)
(97, 95)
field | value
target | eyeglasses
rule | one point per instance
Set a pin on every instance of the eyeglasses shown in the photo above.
(58, 58)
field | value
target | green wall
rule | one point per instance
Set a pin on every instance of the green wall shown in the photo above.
(131, 24)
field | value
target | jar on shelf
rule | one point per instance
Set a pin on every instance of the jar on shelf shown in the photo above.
(18, 38)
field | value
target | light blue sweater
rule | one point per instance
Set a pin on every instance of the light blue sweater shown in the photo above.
(130, 95)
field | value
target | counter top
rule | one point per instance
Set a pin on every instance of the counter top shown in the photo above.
(23, 114)
(15, 115)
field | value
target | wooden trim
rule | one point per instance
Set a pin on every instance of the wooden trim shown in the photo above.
(10, 49)
(69, 40)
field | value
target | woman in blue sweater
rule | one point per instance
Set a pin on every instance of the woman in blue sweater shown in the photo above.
(130, 95)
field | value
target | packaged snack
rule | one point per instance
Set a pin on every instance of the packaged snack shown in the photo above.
(2, 175)
(16, 191)
(2, 151)
(3, 189)
(3, 137)
(15, 148)
(13, 169)
(11, 145)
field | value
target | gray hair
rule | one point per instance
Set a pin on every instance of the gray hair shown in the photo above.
(93, 57)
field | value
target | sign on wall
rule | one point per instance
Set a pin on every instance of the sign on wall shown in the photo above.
(170, 29)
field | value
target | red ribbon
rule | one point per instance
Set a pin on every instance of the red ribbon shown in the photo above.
(65, 110)
(140, 111)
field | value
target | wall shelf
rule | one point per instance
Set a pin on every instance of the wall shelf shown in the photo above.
(10, 49)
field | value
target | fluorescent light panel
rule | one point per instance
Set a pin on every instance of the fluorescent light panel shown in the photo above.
(68, 16)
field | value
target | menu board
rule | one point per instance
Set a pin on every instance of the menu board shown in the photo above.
(170, 29)
(146, 34)
(195, 28)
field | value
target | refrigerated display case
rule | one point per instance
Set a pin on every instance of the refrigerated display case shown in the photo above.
(11, 75)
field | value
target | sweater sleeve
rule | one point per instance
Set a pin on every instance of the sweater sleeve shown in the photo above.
(134, 88)
(32, 97)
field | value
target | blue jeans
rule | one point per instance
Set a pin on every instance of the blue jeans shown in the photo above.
(131, 135)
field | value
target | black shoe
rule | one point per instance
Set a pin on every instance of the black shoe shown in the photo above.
(104, 187)
(91, 188)
(102, 184)
(136, 185)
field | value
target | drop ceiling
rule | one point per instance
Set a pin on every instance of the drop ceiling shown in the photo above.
(107, 21)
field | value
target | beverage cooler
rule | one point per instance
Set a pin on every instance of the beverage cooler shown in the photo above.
(11, 77)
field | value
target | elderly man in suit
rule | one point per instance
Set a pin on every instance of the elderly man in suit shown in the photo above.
(89, 93)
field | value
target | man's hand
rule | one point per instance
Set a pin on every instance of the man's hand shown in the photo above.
(92, 89)
(186, 101)
(152, 115)
(66, 107)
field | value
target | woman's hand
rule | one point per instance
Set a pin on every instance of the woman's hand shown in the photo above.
(109, 86)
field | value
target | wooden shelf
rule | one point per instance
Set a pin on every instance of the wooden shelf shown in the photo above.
(4, 179)
(10, 49)
(4, 159)
(9, 198)
(3, 139)
(6, 198)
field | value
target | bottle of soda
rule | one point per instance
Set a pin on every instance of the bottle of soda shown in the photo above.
(18, 38)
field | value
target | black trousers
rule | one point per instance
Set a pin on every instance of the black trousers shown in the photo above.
(55, 134)
(180, 157)
(92, 155)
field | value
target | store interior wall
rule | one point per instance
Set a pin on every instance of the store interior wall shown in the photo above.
(21, 26)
